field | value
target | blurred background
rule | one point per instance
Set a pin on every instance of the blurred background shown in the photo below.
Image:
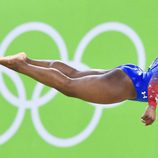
(36, 121)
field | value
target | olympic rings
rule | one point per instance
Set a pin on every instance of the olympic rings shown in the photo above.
(22, 103)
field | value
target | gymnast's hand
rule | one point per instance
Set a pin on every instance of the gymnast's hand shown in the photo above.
(149, 116)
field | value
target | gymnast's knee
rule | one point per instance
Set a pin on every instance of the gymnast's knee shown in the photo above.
(70, 71)
(68, 88)
(54, 62)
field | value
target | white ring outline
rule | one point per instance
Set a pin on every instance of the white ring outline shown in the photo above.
(117, 27)
(21, 109)
(65, 142)
(48, 30)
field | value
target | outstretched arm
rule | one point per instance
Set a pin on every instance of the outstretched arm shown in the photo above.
(150, 113)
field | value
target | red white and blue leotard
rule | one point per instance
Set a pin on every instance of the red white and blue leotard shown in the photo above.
(145, 82)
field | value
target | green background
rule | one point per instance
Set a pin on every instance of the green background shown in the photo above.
(119, 134)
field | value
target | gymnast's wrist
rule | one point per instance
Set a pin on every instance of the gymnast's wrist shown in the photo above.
(152, 107)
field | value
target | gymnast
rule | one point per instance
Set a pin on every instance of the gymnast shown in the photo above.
(125, 82)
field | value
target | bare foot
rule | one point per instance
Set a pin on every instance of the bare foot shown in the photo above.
(13, 61)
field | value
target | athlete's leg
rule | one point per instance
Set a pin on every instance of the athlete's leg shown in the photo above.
(64, 68)
(111, 87)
